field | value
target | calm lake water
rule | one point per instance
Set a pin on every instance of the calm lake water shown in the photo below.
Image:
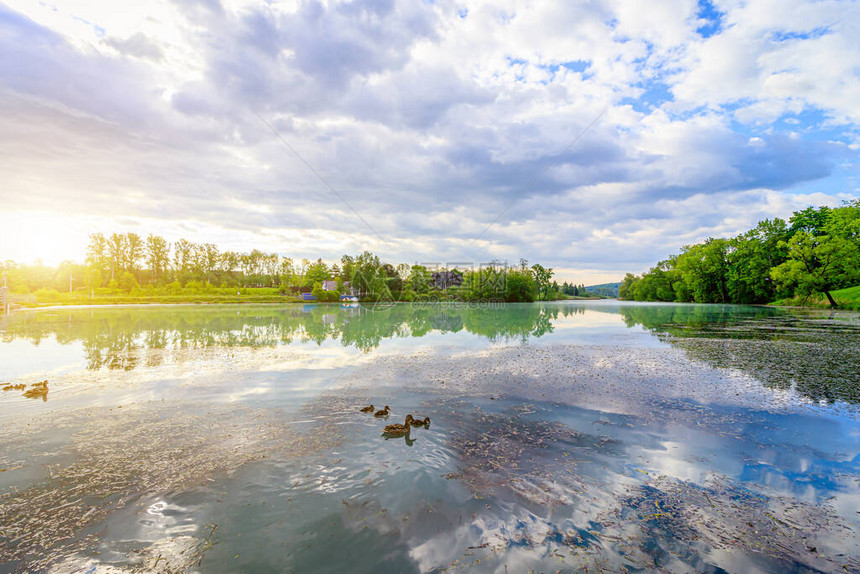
(564, 437)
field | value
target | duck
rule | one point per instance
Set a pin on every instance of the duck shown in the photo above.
(382, 413)
(398, 429)
(38, 391)
(421, 422)
(366, 409)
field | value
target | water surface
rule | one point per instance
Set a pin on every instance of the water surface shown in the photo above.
(564, 437)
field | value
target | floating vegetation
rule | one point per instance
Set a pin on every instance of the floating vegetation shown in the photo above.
(611, 519)
(123, 454)
(815, 353)
(821, 370)
(506, 451)
(638, 381)
(665, 525)
(720, 522)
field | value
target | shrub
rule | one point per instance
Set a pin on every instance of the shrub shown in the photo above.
(195, 287)
(318, 292)
(127, 282)
(47, 294)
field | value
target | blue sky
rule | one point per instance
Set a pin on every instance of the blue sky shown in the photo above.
(430, 120)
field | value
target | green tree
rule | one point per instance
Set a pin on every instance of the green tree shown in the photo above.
(368, 277)
(751, 256)
(317, 272)
(704, 270)
(183, 253)
(134, 252)
(210, 259)
(229, 262)
(157, 257)
(318, 292)
(347, 264)
(418, 280)
(626, 289)
(845, 222)
(810, 220)
(98, 258)
(520, 286)
(127, 281)
(393, 281)
(541, 276)
(116, 247)
(658, 284)
(818, 264)
(286, 274)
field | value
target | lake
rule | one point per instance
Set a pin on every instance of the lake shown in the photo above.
(564, 437)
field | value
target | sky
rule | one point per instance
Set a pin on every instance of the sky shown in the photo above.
(594, 137)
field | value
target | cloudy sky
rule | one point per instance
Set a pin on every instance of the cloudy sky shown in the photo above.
(594, 137)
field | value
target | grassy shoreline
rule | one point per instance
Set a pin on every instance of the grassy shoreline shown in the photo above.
(75, 299)
(848, 298)
(212, 296)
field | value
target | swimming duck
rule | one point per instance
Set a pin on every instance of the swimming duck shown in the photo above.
(366, 409)
(398, 429)
(421, 422)
(38, 391)
(382, 413)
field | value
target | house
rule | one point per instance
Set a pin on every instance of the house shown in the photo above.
(446, 279)
(329, 285)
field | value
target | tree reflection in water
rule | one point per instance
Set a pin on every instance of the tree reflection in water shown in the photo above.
(119, 339)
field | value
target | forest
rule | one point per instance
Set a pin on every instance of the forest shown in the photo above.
(125, 267)
(813, 254)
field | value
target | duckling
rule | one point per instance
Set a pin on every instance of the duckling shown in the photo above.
(398, 429)
(382, 413)
(366, 409)
(421, 422)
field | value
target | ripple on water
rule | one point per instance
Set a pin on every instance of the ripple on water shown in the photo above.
(553, 457)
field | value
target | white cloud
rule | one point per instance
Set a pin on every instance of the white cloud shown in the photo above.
(780, 57)
(431, 120)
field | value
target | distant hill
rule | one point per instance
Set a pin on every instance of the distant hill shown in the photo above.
(605, 289)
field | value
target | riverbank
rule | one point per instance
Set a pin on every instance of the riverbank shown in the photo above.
(161, 300)
(846, 299)
(41, 299)
(232, 296)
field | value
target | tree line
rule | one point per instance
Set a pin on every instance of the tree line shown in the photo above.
(816, 251)
(127, 263)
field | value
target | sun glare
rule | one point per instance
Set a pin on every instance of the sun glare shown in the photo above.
(46, 237)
